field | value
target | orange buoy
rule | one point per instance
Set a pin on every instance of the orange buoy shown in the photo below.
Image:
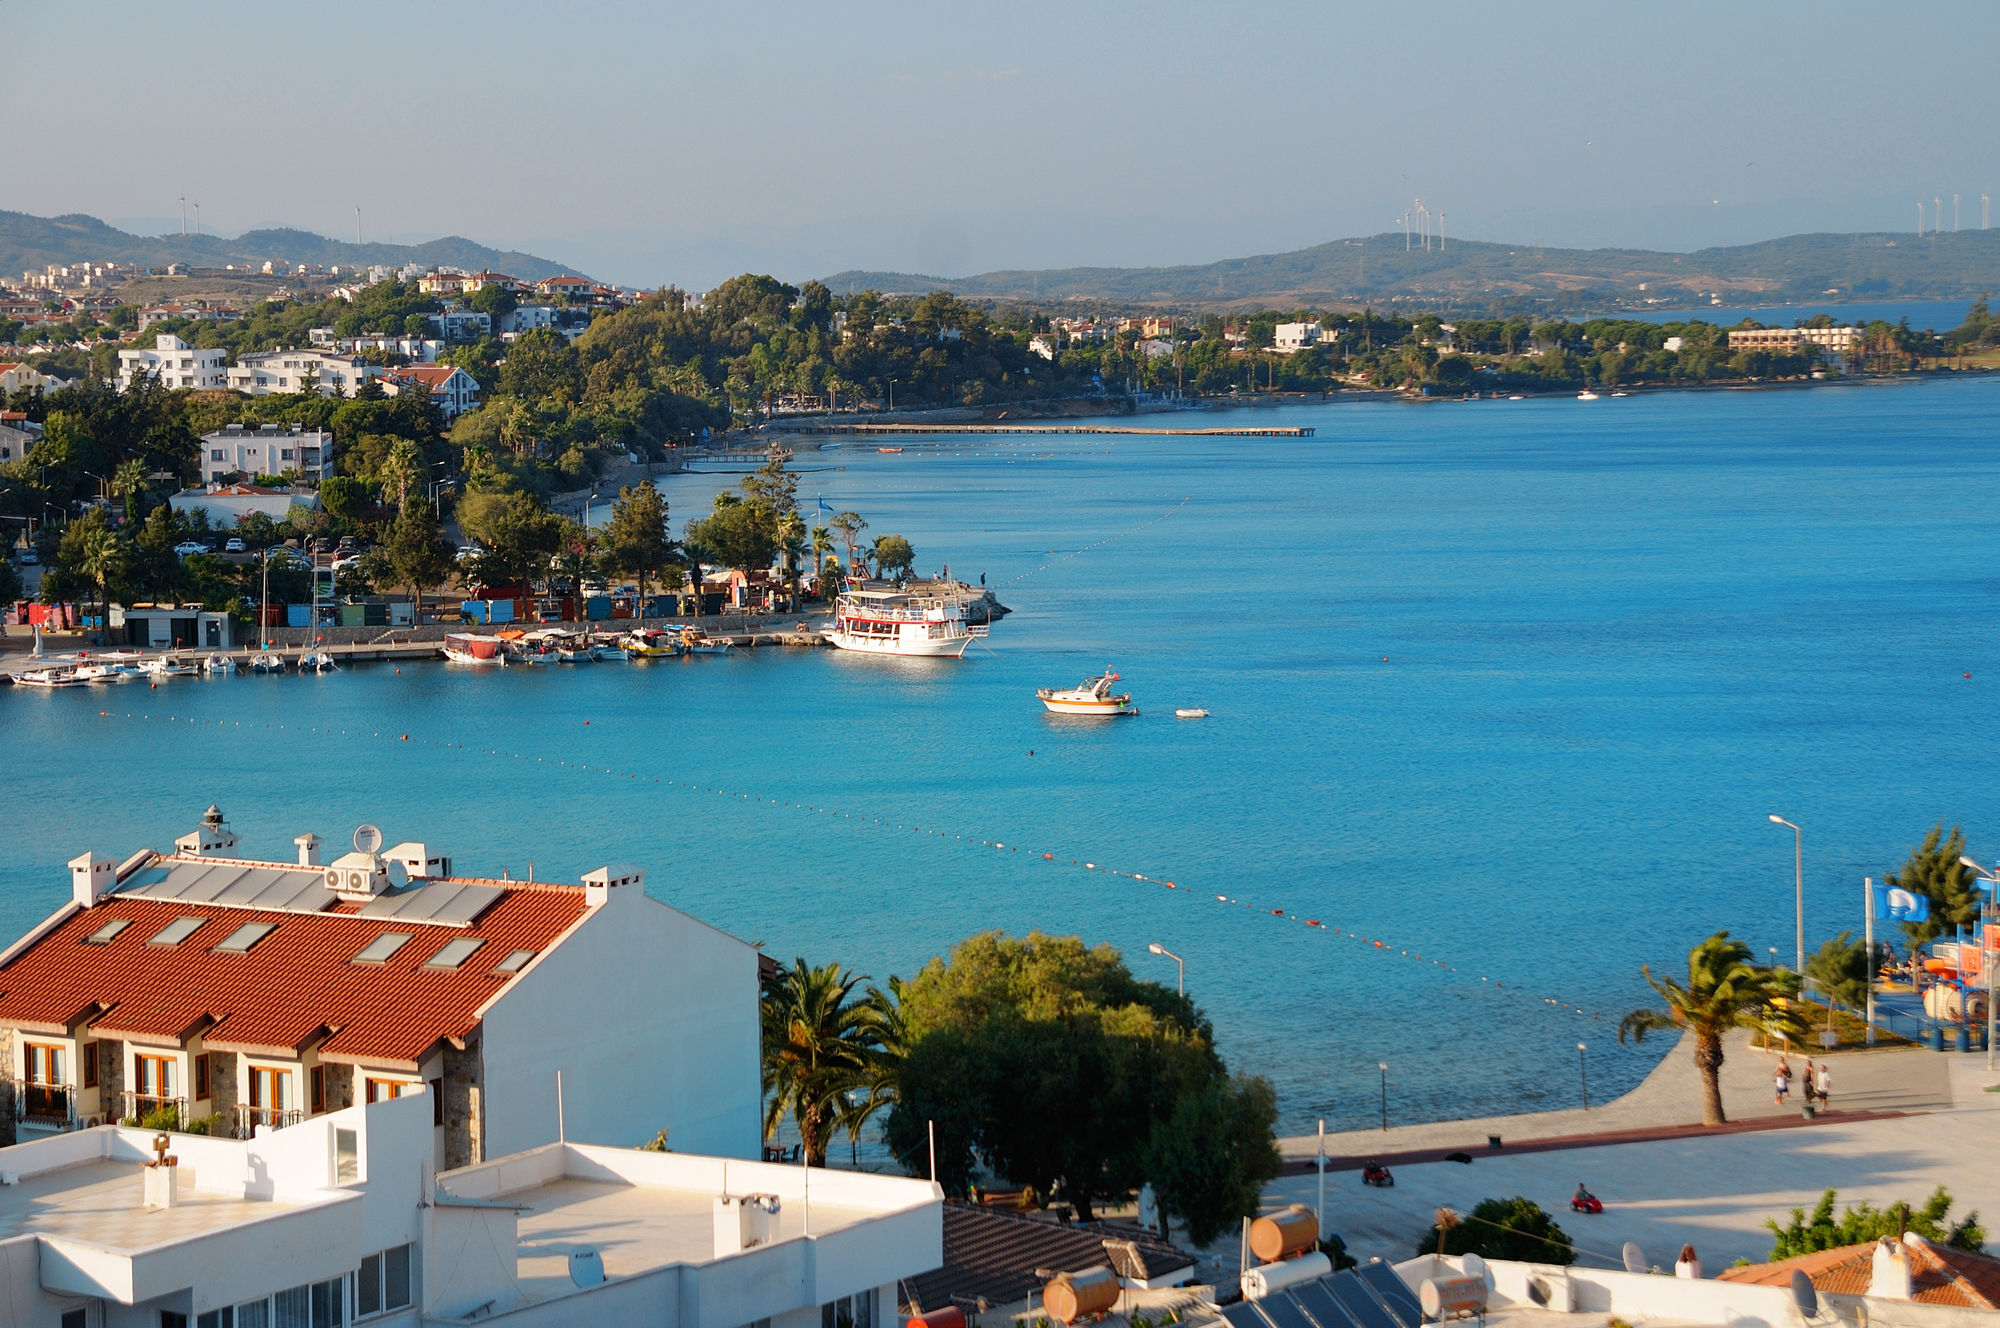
(406, 737)
(1378, 945)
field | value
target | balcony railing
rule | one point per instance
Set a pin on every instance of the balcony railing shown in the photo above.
(249, 1118)
(46, 1105)
(138, 1106)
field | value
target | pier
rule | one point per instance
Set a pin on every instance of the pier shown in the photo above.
(919, 430)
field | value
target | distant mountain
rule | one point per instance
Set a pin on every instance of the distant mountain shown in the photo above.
(28, 244)
(1470, 273)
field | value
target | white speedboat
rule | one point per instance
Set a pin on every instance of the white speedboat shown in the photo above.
(101, 671)
(1586, 395)
(267, 661)
(163, 666)
(1092, 696)
(895, 622)
(1191, 712)
(317, 661)
(218, 665)
(608, 652)
(470, 648)
(62, 676)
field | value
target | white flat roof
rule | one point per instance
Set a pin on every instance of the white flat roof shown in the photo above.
(103, 1203)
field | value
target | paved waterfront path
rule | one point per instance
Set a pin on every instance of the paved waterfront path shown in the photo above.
(1714, 1189)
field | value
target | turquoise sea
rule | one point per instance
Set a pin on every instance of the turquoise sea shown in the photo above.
(1510, 686)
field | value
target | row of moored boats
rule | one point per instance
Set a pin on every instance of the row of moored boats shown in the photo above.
(563, 645)
(84, 669)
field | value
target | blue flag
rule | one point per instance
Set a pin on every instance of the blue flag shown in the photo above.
(1899, 905)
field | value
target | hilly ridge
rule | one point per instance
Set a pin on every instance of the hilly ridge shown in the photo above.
(1378, 269)
(29, 243)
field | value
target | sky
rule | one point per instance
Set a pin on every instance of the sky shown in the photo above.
(656, 143)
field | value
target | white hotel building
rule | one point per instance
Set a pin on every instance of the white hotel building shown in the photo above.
(175, 364)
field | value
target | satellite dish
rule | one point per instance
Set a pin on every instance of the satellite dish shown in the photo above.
(1635, 1262)
(586, 1268)
(399, 876)
(1472, 1265)
(367, 839)
(1803, 1294)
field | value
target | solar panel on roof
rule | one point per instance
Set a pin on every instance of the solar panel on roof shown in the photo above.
(1358, 1301)
(103, 935)
(1394, 1293)
(237, 884)
(515, 962)
(454, 952)
(1242, 1315)
(451, 902)
(1320, 1304)
(176, 931)
(245, 936)
(1283, 1312)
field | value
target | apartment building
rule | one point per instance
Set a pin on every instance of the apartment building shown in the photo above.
(1837, 342)
(199, 985)
(175, 364)
(454, 390)
(262, 373)
(268, 449)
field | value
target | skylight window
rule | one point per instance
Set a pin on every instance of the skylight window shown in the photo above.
(454, 953)
(379, 949)
(177, 931)
(245, 936)
(103, 935)
(515, 962)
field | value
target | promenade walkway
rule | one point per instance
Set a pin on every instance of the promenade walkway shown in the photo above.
(1905, 1122)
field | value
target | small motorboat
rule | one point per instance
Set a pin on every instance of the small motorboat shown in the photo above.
(891, 450)
(471, 648)
(1092, 696)
(267, 661)
(650, 643)
(317, 661)
(1586, 395)
(216, 665)
(609, 652)
(163, 666)
(1191, 712)
(105, 672)
(48, 677)
(694, 643)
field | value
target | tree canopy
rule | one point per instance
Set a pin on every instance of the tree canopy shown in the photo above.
(1862, 1222)
(1934, 871)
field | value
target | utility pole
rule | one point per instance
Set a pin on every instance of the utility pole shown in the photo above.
(1954, 214)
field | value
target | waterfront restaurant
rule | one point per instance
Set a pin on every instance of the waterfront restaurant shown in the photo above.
(200, 988)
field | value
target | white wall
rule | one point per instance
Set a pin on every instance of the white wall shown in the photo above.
(652, 1018)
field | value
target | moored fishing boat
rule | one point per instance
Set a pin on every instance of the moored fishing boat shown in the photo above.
(608, 652)
(267, 661)
(560, 646)
(317, 661)
(54, 676)
(470, 648)
(1092, 696)
(217, 665)
(695, 643)
(650, 643)
(900, 622)
(164, 666)
(100, 670)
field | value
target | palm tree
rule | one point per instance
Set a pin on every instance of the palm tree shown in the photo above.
(822, 544)
(400, 468)
(892, 1037)
(792, 547)
(822, 1044)
(101, 557)
(128, 481)
(1724, 990)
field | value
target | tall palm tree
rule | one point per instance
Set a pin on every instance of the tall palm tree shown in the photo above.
(128, 481)
(822, 544)
(1724, 990)
(822, 1044)
(401, 467)
(792, 547)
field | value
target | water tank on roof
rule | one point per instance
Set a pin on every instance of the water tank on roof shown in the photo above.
(1072, 1295)
(1284, 1233)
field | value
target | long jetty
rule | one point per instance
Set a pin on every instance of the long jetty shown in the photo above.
(878, 430)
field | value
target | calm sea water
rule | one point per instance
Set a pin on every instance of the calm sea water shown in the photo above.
(1508, 685)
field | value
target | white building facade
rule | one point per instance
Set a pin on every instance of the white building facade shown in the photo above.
(175, 364)
(269, 449)
(330, 373)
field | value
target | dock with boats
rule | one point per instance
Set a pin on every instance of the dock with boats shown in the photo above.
(899, 430)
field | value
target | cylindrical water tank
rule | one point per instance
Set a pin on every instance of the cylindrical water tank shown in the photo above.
(1452, 1297)
(951, 1316)
(1284, 1233)
(1262, 1281)
(1072, 1295)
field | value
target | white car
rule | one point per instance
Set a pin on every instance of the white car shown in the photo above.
(234, 546)
(186, 547)
(341, 564)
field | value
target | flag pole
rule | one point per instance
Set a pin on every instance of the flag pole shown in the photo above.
(1868, 930)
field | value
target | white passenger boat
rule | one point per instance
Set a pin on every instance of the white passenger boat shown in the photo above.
(897, 622)
(218, 665)
(317, 661)
(1092, 696)
(56, 676)
(470, 648)
(559, 646)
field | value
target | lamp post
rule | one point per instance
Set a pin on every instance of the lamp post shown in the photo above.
(1158, 949)
(1583, 1075)
(1990, 918)
(1798, 884)
(1383, 1066)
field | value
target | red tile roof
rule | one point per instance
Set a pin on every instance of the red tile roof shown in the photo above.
(296, 983)
(433, 376)
(1939, 1274)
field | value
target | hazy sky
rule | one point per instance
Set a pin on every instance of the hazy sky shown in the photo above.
(655, 143)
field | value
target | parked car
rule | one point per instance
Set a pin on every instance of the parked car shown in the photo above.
(343, 563)
(186, 547)
(234, 546)
(29, 558)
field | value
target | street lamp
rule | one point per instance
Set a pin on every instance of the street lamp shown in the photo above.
(1158, 949)
(1987, 955)
(1798, 883)
(1383, 1066)
(1583, 1075)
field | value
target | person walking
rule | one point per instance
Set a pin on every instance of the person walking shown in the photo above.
(1808, 1084)
(1823, 1084)
(1781, 1082)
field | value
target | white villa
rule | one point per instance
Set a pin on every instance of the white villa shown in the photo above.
(174, 363)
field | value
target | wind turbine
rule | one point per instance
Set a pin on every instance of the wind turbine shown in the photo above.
(1440, 232)
(184, 214)
(357, 223)
(1985, 210)
(1920, 217)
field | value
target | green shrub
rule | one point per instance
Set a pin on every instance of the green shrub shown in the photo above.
(1514, 1228)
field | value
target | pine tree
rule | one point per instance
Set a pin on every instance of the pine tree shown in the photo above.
(1934, 871)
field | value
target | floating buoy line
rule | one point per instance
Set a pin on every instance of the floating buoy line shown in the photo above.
(1370, 944)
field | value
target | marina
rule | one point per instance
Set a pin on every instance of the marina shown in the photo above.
(1490, 644)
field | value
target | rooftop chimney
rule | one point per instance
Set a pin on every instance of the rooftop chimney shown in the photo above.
(1890, 1279)
(308, 849)
(598, 885)
(91, 877)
